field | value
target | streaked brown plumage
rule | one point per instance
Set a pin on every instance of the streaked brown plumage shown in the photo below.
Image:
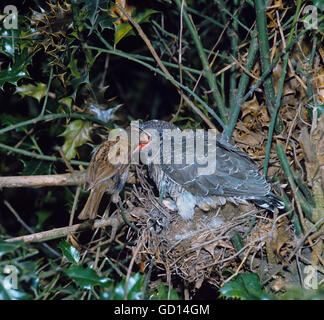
(104, 175)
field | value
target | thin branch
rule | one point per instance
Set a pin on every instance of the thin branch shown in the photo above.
(279, 94)
(129, 271)
(39, 156)
(244, 80)
(28, 228)
(165, 72)
(62, 232)
(67, 179)
(204, 61)
(261, 23)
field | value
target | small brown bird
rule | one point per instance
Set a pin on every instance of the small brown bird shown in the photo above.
(107, 171)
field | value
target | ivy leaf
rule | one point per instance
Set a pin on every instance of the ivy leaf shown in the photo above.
(70, 252)
(37, 92)
(18, 70)
(86, 277)
(125, 29)
(245, 286)
(76, 134)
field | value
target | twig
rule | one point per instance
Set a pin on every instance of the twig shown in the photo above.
(129, 271)
(66, 179)
(39, 156)
(244, 80)
(67, 163)
(279, 94)
(75, 202)
(163, 68)
(47, 91)
(260, 10)
(29, 229)
(204, 61)
(302, 240)
(62, 232)
(125, 218)
(51, 117)
(288, 172)
(170, 78)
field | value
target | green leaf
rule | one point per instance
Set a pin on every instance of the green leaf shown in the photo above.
(8, 120)
(37, 92)
(6, 247)
(36, 167)
(18, 70)
(42, 217)
(122, 31)
(76, 134)
(126, 29)
(76, 82)
(245, 286)
(70, 252)
(106, 22)
(8, 41)
(9, 293)
(319, 4)
(134, 288)
(162, 293)
(92, 8)
(86, 277)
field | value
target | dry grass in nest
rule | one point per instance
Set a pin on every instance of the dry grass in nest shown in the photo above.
(206, 247)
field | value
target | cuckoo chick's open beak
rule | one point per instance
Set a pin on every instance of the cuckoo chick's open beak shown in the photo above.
(144, 140)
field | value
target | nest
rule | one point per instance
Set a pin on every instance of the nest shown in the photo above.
(206, 247)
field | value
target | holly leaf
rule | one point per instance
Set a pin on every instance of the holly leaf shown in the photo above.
(134, 288)
(245, 286)
(105, 22)
(37, 92)
(8, 41)
(17, 70)
(76, 134)
(70, 252)
(126, 29)
(86, 277)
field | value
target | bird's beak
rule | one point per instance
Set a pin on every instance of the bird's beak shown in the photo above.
(144, 139)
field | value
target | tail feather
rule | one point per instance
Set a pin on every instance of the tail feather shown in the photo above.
(91, 207)
(269, 202)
